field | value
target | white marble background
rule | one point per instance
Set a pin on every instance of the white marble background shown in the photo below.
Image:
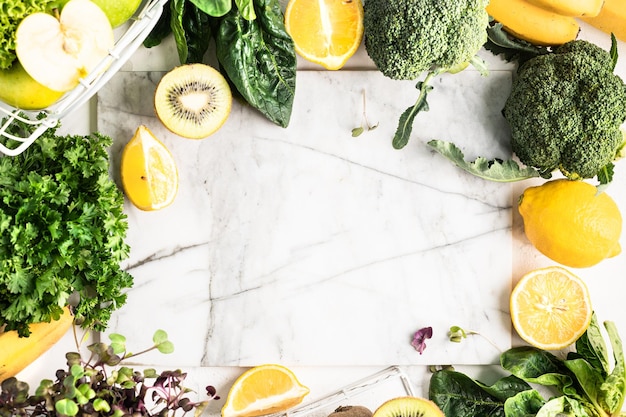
(307, 246)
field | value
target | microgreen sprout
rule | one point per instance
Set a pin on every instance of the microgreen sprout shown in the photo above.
(101, 386)
(457, 334)
(357, 131)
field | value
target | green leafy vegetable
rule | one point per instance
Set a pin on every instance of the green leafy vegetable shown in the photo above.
(62, 231)
(582, 383)
(493, 170)
(259, 58)
(215, 8)
(512, 49)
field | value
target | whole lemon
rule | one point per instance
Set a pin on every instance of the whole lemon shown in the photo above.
(570, 223)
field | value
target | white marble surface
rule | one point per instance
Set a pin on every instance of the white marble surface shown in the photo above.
(605, 280)
(322, 248)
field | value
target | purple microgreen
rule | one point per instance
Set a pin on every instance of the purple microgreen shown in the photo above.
(420, 337)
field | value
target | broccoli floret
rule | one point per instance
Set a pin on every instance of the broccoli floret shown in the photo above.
(565, 111)
(405, 38)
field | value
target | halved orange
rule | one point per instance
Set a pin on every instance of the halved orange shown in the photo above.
(326, 32)
(148, 170)
(264, 389)
(550, 308)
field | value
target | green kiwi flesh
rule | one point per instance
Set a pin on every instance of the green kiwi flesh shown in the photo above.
(193, 100)
(408, 407)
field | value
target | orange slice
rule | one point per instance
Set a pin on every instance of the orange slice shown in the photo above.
(550, 308)
(326, 32)
(148, 171)
(262, 390)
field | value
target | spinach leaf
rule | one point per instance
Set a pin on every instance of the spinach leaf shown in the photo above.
(246, 8)
(591, 347)
(178, 29)
(523, 404)
(259, 58)
(563, 407)
(216, 8)
(458, 395)
(613, 390)
(540, 367)
(192, 31)
(161, 29)
(196, 25)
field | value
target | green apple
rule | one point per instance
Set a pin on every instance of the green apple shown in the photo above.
(57, 51)
(118, 11)
(20, 90)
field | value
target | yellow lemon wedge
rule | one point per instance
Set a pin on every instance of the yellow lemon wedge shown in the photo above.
(325, 32)
(148, 170)
(264, 389)
(550, 308)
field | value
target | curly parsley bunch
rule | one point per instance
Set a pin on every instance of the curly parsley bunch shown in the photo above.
(62, 231)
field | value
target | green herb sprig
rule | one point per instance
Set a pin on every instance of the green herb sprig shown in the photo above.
(62, 232)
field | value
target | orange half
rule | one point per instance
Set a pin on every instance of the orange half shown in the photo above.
(326, 32)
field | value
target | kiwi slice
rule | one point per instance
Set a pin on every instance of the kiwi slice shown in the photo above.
(351, 411)
(408, 407)
(193, 100)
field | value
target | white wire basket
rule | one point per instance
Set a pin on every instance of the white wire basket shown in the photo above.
(142, 23)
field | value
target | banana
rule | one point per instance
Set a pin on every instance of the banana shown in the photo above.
(575, 8)
(16, 353)
(611, 19)
(533, 24)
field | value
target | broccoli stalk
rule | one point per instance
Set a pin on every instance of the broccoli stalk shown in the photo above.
(406, 38)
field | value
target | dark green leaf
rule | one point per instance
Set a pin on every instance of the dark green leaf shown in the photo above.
(492, 170)
(457, 395)
(405, 124)
(539, 367)
(613, 51)
(512, 49)
(258, 57)
(161, 29)
(197, 29)
(178, 28)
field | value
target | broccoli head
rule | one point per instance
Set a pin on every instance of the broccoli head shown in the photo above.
(565, 110)
(407, 37)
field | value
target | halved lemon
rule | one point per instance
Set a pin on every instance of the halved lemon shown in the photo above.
(262, 390)
(148, 170)
(550, 308)
(326, 32)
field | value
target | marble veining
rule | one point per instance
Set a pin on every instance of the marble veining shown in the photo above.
(310, 247)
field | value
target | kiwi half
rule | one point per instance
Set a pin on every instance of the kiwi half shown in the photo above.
(408, 407)
(193, 100)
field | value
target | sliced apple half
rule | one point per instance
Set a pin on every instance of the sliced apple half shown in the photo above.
(57, 51)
